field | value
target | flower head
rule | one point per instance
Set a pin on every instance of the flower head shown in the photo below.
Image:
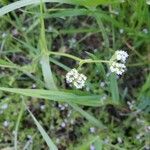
(72, 75)
(121, 56)
(75, 78)
(118, 60)
(117, 68)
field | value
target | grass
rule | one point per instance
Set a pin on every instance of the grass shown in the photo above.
(40, 43)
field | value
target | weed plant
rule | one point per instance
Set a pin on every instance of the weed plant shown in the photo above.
(74, 75)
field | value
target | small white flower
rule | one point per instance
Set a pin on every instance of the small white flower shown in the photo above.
(15, 32)
(148, 2)
(117, 68)
(92, 147)
(107, 140)
(72, 121)
(24, 28)
(121, 55)
(33, 86)
(147, 129)
(65, 120)
(66, 105)
(14, 132)
(121, 31)
(118, 60)
(147, 147)
(6, 123)
(72, 75)
(63, 124)
(72, 43)
(145, 30)
(4, 106)
(131, 104)
(1, 112)
(57, 140)
(92, 130)
(4, 35)
(78, 84)
(102, 84)
(69, 113)
(138, 137)
(104, 97)
(50, 29)
(87, 89)
(29, 137)
(119, 140)
(78, 80)
(140, 121)
(42, 107)
(95, 50)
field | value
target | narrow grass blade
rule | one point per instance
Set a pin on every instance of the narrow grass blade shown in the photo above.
(10, 65)
(88, 3)
(89, 117)
(47, 73)
(114, 88)
(47, 139)
(145, 87)
(17, 127)
(101, 26)
(46, 68)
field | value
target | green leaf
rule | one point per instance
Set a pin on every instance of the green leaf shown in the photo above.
(87, 100)
(94, 3)
(47, 139)
(22, 3)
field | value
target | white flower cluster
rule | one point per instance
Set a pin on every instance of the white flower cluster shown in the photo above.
(118, 63)
(118, 68)
(121, 56)
(76, 79)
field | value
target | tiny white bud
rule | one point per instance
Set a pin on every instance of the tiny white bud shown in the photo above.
(119, 140)
(92, 147)
(92, 130)
(121, 31)
(63, 124)
(6, 123)
(42, 107)
(4, 106)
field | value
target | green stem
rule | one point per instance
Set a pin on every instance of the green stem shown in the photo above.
(45, 65)
(95, 61)
(66, 55)
(87, 61)
(81, 61)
